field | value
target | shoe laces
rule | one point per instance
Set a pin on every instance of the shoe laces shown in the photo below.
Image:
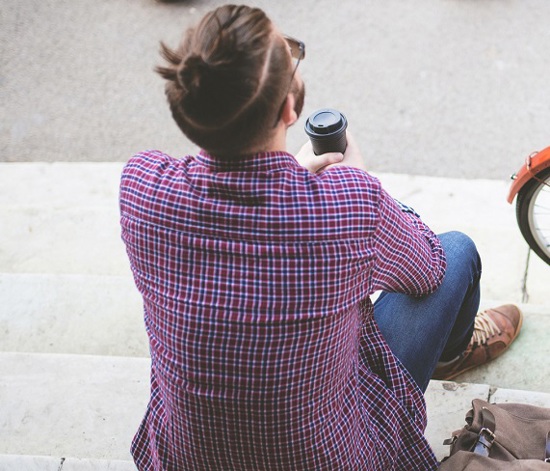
(484, 328)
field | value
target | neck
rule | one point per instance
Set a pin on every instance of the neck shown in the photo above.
(277, 142)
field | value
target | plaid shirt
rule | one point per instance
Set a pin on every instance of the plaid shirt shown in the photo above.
(256, 278)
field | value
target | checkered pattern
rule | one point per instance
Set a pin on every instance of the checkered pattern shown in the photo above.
(255, 278)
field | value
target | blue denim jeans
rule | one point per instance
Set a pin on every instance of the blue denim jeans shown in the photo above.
(422, 331)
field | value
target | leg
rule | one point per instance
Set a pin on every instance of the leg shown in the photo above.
(421, 331)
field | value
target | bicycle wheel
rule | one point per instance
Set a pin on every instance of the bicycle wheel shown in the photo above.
(533, 214)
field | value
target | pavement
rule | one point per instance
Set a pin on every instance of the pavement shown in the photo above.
(74, 361)
(451, 88)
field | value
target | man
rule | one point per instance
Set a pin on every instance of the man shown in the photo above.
(256, 268)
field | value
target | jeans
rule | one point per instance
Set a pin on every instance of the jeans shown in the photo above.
(437, 327)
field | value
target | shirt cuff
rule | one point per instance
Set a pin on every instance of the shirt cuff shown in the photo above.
(407, 209)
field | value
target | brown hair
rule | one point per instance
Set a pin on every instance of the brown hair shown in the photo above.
(227, 80)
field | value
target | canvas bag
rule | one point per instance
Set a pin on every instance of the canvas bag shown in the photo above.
(501, 437)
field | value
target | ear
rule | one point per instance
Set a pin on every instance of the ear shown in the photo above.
(289, 116)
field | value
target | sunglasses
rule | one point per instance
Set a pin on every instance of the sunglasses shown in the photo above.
(297, 49)
(298, 53)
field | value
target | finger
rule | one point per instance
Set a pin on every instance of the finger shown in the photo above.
(328, 159)
(332, 157)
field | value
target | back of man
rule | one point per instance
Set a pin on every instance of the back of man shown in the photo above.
(255, 275)
(255, 282)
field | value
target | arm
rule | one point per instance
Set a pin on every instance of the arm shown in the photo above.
(409, 257)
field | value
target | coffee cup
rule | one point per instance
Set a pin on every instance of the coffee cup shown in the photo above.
(326, 129)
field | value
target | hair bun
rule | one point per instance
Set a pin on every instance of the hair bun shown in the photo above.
(193, 71)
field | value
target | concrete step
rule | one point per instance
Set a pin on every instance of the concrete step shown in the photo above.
(479, 209)
(90, 406)
(448, 402)
(66, 289)
(63, 219)
(525, 365)
(62, 405)
(85, 314)
(50, 463)
(103, 315)
(73, 240)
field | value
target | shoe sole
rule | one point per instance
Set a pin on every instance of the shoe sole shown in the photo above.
(518, 330)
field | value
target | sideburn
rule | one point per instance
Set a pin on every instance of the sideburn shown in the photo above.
(299, 93)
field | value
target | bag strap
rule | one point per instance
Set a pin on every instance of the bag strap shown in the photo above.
(486, 435)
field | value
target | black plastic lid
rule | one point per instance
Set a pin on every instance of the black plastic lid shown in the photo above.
(325, 121)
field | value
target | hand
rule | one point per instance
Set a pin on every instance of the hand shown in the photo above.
(352, 155)
(317, 163)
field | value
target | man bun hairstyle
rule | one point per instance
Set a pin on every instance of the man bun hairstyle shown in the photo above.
(227, 80)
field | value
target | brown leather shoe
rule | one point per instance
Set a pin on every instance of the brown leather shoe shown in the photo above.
(494, 331)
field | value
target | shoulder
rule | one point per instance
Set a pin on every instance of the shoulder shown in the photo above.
(149, 161)
(352, 182)
(151, 165)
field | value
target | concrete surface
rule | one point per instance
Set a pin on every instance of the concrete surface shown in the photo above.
(103, 400)
(525, 365)
(29, 463)
(78, 406)
(83, 299)
(103, 315)
(75, 464)
(48, 463)
(68, 305)
(454, 88)
(97, 315)
(71, 208)
(447, 404)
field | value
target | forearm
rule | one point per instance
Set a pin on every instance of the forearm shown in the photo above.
(409, 256)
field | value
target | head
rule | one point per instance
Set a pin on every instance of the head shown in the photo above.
(231, 81)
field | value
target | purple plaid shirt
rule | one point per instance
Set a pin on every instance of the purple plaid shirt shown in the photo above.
(256, 278)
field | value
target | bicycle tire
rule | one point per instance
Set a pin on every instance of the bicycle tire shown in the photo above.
(525, 214)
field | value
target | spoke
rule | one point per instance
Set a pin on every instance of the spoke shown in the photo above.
(539, 216)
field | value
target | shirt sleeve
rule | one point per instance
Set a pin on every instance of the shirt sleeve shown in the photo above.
(408, 257)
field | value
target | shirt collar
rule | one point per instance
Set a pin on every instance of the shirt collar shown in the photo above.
(262, 161)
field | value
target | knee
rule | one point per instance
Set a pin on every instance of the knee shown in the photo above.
(460, 247)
